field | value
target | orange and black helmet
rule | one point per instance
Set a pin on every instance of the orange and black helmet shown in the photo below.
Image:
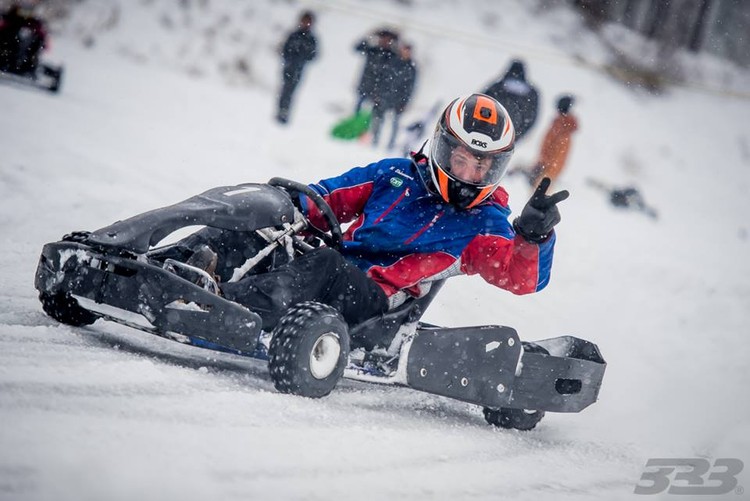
(470, 149)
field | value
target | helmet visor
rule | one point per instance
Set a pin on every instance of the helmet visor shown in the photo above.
(468, 165)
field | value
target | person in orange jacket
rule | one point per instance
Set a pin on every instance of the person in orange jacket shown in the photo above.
(556, 144)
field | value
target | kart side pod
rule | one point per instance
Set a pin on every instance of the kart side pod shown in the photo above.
(488, 366)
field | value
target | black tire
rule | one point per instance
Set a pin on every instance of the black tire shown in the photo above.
(309, 350)
(66, 309)
(529, 347)
(517, 419)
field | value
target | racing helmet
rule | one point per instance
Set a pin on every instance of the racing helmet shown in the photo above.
(470, 149)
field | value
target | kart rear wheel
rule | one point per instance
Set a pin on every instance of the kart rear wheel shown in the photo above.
(65, 309)
(518, 419)
(309, 350)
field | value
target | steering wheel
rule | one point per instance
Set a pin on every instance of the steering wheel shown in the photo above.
(336, 237)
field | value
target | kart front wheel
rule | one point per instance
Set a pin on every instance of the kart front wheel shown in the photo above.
(65, 309)
(518, 419)
(309, 350)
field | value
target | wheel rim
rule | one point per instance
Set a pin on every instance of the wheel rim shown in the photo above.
(324, 355)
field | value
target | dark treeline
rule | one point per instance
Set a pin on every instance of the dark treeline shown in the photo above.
(719, 27)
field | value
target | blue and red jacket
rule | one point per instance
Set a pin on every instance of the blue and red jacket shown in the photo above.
(404, 236)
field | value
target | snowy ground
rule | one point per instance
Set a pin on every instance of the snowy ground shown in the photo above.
(148, 117)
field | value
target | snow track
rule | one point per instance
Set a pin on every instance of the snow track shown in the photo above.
(104, 412)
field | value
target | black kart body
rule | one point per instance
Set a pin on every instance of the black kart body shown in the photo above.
(118, 273)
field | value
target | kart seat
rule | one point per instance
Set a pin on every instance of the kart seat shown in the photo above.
(380, 330)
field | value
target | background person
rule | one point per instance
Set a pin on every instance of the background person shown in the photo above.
(556, 144)
(299, 48)
(518, 96)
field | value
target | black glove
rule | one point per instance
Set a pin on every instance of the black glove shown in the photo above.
(540, 214)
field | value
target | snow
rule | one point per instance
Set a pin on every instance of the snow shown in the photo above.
(162, 102)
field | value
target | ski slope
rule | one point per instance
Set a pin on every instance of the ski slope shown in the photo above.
(161, 102)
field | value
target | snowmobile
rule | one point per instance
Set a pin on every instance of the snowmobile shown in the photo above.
(21, 64)
(121, 273)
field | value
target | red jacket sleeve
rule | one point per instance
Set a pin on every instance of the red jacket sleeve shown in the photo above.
(514, 264)
(347, 195)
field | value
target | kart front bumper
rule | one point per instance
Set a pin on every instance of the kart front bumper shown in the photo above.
(171, 304)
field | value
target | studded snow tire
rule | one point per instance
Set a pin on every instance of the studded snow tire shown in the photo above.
(309, 350)
(65, 309)
(518, 419)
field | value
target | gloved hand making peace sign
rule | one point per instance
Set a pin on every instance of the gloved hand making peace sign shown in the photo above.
(540, 214)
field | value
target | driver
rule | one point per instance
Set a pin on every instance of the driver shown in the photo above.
(417, 220)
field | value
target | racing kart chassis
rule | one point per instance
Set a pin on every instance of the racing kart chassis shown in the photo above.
(117, 274)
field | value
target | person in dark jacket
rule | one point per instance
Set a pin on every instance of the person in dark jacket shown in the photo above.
(22, 38)
(394, 94)
(377, 73)
(300, 48)
(415, 221)
(519, 97)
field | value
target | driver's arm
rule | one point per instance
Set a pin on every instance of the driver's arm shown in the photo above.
(347, 194)
(511, 262)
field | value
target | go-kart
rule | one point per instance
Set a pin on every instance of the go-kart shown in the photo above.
(119, 273)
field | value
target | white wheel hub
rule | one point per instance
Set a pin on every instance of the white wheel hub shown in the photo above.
(325, 355)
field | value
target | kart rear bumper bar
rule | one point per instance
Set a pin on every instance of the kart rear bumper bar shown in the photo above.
(487, 366)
